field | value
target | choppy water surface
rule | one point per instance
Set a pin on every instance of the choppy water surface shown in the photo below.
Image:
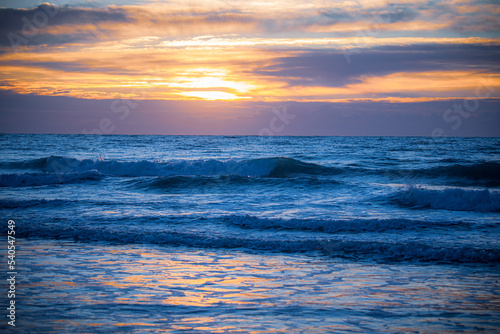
(254, 234)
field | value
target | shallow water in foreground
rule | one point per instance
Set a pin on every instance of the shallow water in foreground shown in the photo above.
(69, 287)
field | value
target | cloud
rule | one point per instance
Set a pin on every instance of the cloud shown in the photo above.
(332, 68)
(388, 14)
(392, 72)
(477, 23)
(53, 25)
(49, 24)
(261, 55)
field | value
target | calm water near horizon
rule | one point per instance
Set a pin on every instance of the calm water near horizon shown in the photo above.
(249, 234)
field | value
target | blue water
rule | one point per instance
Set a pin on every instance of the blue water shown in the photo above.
(245, 234)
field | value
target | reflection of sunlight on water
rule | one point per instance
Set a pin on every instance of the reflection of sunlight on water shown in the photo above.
(81, 285)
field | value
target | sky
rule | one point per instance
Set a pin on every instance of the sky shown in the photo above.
(346, 68)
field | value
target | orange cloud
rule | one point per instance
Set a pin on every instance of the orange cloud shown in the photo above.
(117, 71)
(247, 21)
(172, 52)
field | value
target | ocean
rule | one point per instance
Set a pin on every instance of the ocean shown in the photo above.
(251, 234)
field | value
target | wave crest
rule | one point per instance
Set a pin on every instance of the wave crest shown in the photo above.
(262, 167)
(486, 173)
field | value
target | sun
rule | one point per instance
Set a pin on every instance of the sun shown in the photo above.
(210, 84)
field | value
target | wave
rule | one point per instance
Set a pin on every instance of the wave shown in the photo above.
(344, 247)
(41, 179)
(276, 167)
(334, 226)
(453, 199)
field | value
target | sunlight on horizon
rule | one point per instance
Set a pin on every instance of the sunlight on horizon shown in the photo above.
(259, 51)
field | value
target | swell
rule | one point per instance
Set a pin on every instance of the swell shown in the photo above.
(480, 171)
(335, 226)
(221, 182)
(40, 179)
(483, 173)
(411, 250)
(452, 199)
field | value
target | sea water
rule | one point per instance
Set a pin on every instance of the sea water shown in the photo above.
(252, 234)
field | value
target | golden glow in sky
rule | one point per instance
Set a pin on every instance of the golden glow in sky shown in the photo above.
(255, 51)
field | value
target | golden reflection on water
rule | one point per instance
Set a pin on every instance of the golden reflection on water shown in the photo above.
(229, 280)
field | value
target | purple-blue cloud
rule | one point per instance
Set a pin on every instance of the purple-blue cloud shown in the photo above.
(32, 24)
(330, 68)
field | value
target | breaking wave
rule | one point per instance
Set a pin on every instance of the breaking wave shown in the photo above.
(277, 167)
(176, 174)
